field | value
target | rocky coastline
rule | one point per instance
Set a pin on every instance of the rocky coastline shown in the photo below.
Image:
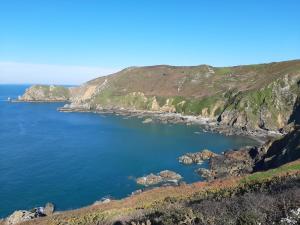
(205, 123)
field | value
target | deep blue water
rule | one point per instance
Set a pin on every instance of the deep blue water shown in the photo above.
(74, 159)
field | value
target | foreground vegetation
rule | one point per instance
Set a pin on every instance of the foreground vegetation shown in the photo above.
(259, 198)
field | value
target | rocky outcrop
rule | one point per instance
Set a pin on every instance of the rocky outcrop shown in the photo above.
(271, 154)
(20, 216)
(279, 152)
(44, 93)
(232, 163)
(197, 157)
(162, 177)
(25, 215)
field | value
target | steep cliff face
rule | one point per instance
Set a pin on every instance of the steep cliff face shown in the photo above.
(46, 93)
(252, 97)
(281, 151)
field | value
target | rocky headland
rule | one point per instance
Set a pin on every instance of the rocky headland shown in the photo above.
(45, 93)
(258, 100)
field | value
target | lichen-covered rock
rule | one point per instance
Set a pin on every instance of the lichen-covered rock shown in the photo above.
(150, 179)
(169, 175)
(19, 216)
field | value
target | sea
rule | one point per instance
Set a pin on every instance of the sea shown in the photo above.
(75, 159)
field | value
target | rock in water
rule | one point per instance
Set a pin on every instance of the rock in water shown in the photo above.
(148, 120)
(185, 160)
(150, 179)
(196, 157)
(160, 178)
(169, 175)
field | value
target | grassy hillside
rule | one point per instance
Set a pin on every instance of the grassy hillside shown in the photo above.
(261, 96)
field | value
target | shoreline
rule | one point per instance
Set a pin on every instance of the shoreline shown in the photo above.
(207, 124)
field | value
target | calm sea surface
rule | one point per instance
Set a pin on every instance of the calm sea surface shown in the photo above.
(74, 159)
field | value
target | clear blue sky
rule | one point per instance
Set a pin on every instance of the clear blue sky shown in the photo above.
(114, 34)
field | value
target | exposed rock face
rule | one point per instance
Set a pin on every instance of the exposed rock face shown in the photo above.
(232, 163)
(25, 215)
(272, 154)
(196, 157)
(20, 216)
(45, 94)
(162, 177)
(280, 151)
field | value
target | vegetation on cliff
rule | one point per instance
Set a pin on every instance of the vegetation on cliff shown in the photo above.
(252, 97)
(45, 93)
(262, 197)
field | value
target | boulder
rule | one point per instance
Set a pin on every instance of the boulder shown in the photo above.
(205, 173)
(20, 216)
(185, 160)
(49, 209)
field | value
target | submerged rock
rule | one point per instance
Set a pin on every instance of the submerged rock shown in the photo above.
(196, 157)
(102, 201)
(148, 120)
(160, 178)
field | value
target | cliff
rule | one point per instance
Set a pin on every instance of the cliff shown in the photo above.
(44, 93)
(249, 98)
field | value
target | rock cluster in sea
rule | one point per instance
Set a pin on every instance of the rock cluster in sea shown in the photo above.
(165, 176)
(197, 157)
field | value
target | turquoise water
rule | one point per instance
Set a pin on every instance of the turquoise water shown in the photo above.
(74, 159)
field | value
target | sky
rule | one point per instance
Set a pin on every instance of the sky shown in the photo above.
(73, 41)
